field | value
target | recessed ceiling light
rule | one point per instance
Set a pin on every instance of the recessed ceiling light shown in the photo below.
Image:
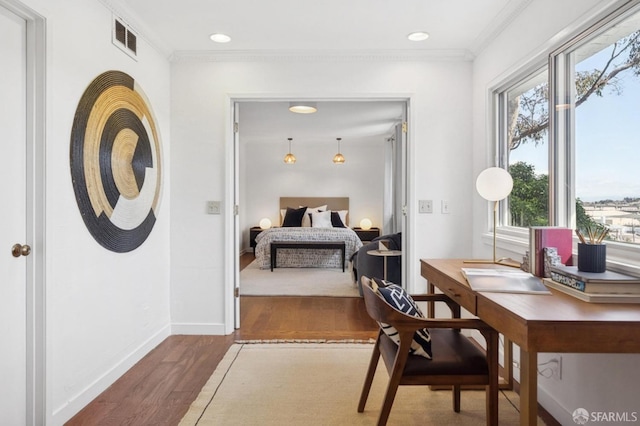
(220, 38)
(418, 36)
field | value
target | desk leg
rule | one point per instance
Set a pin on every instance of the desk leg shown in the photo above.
(431, 308)
(528, 388)
(508, 363)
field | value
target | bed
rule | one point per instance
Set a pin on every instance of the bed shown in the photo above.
(318, 208)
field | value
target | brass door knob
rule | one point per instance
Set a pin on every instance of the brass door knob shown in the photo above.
(20, 250)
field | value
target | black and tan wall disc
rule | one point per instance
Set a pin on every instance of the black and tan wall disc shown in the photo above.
(116, 162)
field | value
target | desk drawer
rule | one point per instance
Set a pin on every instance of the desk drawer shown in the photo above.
(459, 293)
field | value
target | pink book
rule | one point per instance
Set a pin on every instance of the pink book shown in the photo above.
(549, 236)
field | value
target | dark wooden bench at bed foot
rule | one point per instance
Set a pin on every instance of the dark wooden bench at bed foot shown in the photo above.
(335, 245)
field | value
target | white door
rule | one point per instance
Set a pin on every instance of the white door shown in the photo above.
(236, 217)
(13, 269)
(404, 190)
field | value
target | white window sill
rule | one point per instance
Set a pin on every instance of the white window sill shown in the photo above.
(621, 257)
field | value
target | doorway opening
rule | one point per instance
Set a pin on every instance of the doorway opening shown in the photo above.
(366, 127)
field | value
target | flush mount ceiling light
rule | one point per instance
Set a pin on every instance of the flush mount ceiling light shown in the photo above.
(289, 158)
(220, 38)
(338, 158)
(418, 36)
(301, 107)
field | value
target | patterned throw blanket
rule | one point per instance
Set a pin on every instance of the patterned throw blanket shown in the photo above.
(293, 258)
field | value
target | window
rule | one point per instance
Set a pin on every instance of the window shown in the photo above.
(578, 166)
(607, 107)
(524, 109)
(598, 132)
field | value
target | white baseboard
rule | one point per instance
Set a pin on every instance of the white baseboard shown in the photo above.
(74, 405)
(198, 329)
(553, 407)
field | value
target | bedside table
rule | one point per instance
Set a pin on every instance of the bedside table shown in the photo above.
(253, 233)
(367, 235)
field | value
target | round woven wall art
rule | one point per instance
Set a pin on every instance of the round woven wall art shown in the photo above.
(116, 162)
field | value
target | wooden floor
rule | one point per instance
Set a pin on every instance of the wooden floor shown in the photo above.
(159, 389)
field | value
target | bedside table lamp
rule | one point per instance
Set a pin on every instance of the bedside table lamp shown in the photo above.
(265, 223)
(493, 184)
(365, 224)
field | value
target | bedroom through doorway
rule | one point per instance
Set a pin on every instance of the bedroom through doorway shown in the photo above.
(369, 133)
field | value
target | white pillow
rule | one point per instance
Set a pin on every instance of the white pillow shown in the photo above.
(306, 221)
(321, 219)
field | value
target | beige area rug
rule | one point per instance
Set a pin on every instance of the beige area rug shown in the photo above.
(320, 384)
(297, 282)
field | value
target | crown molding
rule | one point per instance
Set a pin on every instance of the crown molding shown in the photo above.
(322, 56)
(498, 24)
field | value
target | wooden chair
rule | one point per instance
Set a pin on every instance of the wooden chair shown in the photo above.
(457, 361)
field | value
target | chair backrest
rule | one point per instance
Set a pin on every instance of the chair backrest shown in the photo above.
(380, 310)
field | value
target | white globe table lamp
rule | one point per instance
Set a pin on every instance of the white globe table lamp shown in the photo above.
(265, 223)
(494, 184)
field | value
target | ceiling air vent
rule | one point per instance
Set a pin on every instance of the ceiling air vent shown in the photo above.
(124, 37)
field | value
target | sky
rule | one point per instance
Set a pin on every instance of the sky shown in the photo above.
(607, 142)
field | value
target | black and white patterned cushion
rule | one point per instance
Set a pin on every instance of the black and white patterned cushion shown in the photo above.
(397, 297)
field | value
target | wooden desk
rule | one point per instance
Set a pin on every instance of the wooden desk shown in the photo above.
(540, 323)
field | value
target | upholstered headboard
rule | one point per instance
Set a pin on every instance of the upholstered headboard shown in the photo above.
(333, 203)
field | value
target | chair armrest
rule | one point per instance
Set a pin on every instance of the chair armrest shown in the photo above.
(438, 297)
(416, 323)
(407, 328)
(435, 297)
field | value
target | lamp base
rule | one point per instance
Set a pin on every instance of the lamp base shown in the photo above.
(502, 261)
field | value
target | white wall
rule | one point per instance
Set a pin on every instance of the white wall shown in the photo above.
(439, 157)
(104, 310)
(595, 382)
(266, 178)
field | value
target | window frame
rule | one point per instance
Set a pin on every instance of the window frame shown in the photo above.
(560, 65)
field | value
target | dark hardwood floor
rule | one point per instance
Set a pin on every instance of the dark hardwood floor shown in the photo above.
(159, 389)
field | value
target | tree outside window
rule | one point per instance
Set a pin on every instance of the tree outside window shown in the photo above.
(603, 137)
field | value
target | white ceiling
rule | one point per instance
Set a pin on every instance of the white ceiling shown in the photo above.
(318, 25)
(457, 28)
(354, 121)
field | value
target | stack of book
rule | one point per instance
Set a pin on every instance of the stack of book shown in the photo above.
(603, 287)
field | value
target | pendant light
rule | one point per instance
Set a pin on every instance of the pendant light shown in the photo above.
(289, 158)
(338, 158)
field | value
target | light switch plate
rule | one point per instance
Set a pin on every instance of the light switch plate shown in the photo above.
(213, 207)
(445, 206)
(425, 206)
